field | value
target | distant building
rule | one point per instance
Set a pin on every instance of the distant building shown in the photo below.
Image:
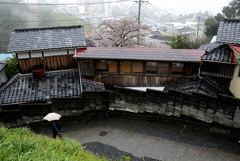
(190, 32)
(192, 29)
(97, 7)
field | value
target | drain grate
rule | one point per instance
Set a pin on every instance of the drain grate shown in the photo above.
(103, 133)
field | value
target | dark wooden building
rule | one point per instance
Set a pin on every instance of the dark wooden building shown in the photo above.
(218, 65)
(51, 48)
(138, 66)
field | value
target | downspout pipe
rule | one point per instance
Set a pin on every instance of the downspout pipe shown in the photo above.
(79, 73)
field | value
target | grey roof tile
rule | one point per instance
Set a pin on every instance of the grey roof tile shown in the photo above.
(221, 54)
(32, 39)
(228, 31)
(23, 88)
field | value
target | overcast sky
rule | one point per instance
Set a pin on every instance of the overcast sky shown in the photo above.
(190, 4)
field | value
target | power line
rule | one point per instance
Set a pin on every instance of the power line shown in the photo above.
(150, 8)
(67, 20)
(41, 21)
(157, 8)
(12, 3)
(132, 13)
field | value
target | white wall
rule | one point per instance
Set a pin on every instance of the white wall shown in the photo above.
(235, 82)
(38, 54)
(3, 75)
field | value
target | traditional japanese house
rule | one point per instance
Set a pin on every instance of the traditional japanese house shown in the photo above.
(48, 48)
(219, 71)
(47, 72)
(218, 65)
(138, 67)
(228, 33)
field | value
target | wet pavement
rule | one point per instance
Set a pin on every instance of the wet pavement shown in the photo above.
(140, 139)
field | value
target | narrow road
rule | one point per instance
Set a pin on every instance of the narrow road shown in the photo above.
(139, 139)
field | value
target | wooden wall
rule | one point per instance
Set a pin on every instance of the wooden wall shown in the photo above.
(138, 80)
(137, 73)
(51, 63)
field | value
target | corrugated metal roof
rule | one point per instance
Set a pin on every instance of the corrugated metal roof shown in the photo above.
(143, 54)
(236, 48)
(45, 38)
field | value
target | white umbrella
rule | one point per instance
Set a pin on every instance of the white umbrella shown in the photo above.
(52, 116)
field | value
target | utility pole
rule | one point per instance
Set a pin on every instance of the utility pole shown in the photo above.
(139, 17)
(198, 19)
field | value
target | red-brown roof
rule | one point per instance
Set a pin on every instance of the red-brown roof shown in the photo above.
(236, 48)
(143, 54)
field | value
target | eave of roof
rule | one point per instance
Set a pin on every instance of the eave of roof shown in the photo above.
(44, 28)
(210, 46)
(142, 54)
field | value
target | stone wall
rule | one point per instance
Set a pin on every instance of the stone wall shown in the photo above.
(67, 106)
(221, 109)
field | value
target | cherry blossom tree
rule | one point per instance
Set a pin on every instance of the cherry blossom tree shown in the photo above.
(120, 33)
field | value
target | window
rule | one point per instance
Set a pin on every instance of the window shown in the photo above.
(177, 68)
(112, 67)
(137, 67)
(101, 65)
(163, 68)
(87, 67)
(151, 67)
(125, 66)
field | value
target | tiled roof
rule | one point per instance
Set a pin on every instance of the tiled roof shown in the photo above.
(221, 54)
(203, 85)
(209, 46)
(32, 39)
(23, 88)
(161, 37)
(143, 54)
(229, 31)
(2, 66)
(186, 29)
(156, 33)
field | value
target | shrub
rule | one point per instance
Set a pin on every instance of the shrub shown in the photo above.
(183, 42)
